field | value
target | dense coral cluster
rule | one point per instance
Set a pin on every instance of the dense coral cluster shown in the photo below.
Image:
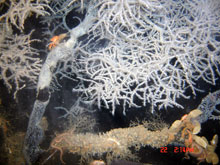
(141, 52)
(136, 52)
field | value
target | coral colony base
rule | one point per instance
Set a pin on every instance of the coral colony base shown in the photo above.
(116, 143)
(122, 53)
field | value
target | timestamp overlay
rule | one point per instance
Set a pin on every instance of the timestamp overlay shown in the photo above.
(176, 149)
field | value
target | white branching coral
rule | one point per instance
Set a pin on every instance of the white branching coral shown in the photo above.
(137, 51)
(19, 11)
(19, 62)
(154, 51)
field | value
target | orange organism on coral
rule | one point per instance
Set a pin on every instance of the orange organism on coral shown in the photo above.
(56, 40)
